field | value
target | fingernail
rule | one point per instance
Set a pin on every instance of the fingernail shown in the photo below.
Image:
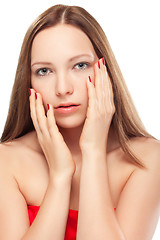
(48, 106)
(99, 64)
(35, 95)
(89, 78)
(103, 61)
(29, 91)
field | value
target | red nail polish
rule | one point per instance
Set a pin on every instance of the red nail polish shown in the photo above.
(99, 64)
(35, 95)
(103, 60)
(89, 78)
(29, 91)
(48, 106)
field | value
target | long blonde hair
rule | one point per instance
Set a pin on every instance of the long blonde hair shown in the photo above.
(126, 121)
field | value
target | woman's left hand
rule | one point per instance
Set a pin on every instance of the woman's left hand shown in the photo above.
(100, 110)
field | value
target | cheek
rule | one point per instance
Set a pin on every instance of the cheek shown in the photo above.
(34, 83)
(41, 85)
(37, 84)
(82, 93)
(43, 89)
(81, 84)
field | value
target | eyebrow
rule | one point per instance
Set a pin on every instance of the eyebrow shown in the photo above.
(82, 55)
(70, 60)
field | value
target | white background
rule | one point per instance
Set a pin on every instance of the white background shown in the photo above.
(133, 30)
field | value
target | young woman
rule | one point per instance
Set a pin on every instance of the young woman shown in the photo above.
(75, 159)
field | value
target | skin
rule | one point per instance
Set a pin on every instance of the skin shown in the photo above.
(31, 161)
(68, 84)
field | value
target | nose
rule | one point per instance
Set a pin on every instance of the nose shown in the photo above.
(63, 85)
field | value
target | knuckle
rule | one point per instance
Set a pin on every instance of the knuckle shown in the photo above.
(110, 108)
(114, 109)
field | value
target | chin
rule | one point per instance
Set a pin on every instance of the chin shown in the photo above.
(70, 122)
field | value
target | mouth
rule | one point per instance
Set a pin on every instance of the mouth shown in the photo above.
(67, 106)
(67, 109)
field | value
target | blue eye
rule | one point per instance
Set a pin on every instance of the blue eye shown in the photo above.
(81, 66)
(43, 71)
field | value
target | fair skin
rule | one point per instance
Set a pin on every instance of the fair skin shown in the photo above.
(73, 169)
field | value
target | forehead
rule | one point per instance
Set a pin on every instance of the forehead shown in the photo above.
(61, 39)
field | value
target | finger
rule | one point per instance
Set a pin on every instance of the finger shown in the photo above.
(33, 110)
(98, 80)
(40, 113)
(51, 122)
(99, 83)
(109, 96)
(91, 95)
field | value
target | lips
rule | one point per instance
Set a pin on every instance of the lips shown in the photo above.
(65, 110)
(66, 105)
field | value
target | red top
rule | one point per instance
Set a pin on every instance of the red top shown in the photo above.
(71, 227)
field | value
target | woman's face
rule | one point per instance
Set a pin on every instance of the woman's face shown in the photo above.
(62, 58)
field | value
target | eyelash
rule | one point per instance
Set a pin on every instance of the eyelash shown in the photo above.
(47, 69)
(86, 63)
(41, 69)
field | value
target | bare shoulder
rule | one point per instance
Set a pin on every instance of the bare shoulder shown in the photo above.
(7, 171)
(20, 153)
(11, 195)
(141, 193)
(147, 150)
(23, 163)
(10, 152)
(6, 155)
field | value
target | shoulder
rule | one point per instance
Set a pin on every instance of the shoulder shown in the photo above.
(9, 151)
(6, 155)
(141, 193)
(7, 177)
(18, 153)
(9, 157)
(20, 147)
(11, 194)
(146, 150)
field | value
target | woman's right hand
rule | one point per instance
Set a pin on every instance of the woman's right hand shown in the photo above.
(57, 153)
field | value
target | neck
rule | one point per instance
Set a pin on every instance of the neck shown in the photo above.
(72, 136)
